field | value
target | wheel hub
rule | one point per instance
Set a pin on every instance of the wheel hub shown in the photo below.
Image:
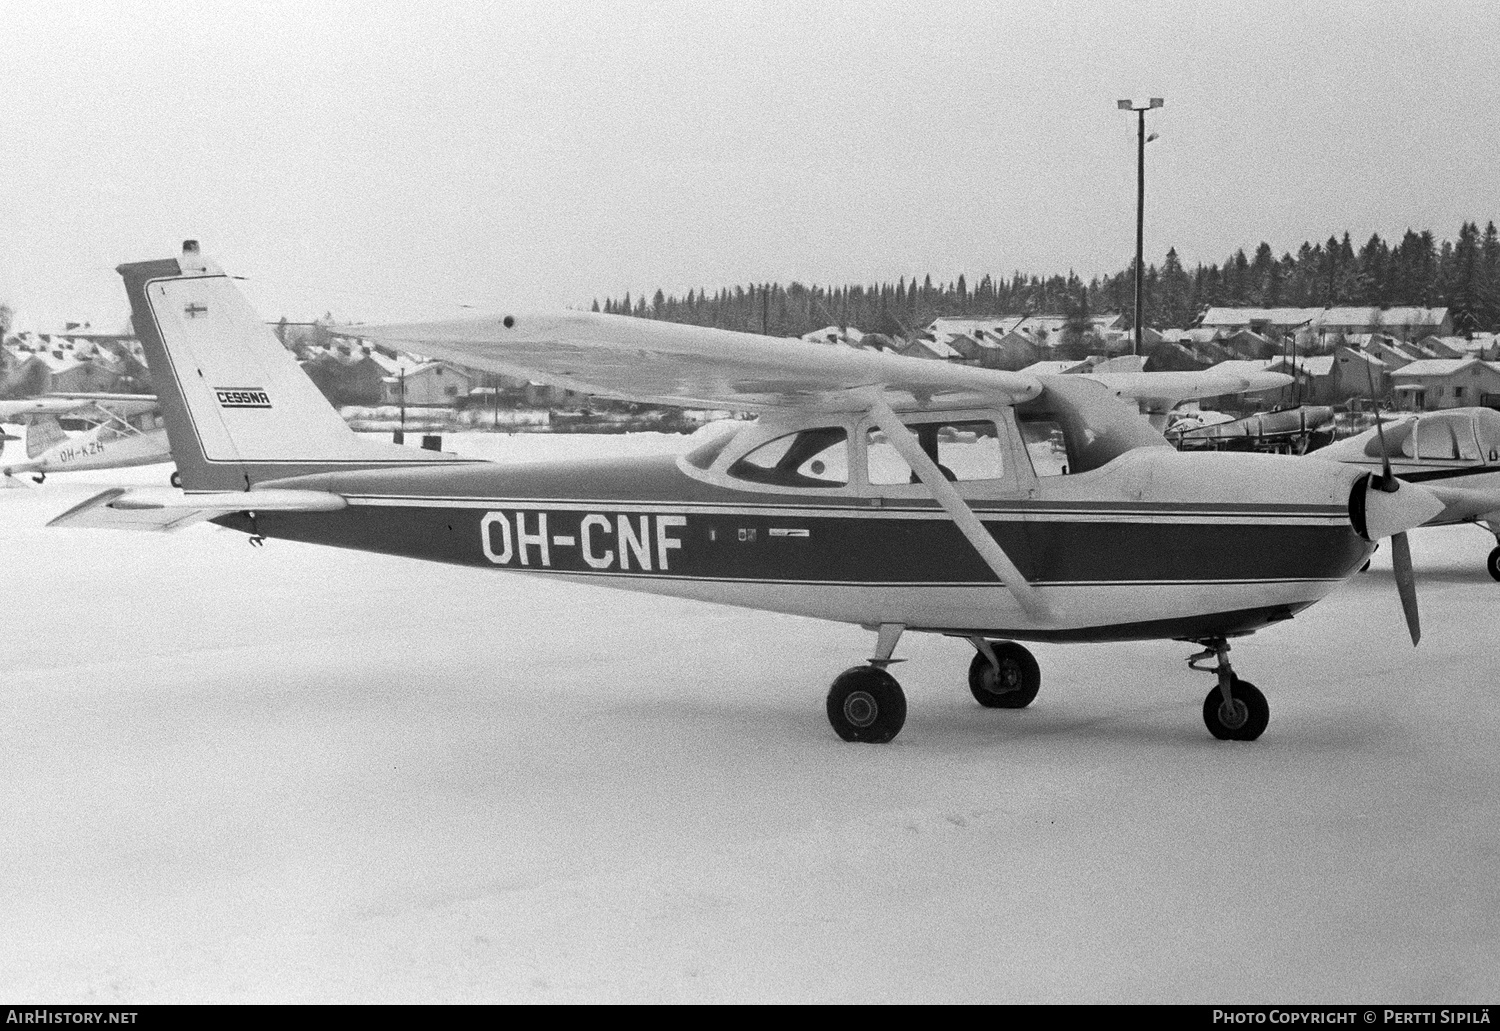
(860, 708)
(1233, 714)
(1005, 679)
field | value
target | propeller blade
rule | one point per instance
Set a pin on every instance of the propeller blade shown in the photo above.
(1406, 584)
(1387, 481)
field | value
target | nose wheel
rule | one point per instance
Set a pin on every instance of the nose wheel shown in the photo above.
(1493, 563)
(1003, 675)
(1234, 710)
(866, 704)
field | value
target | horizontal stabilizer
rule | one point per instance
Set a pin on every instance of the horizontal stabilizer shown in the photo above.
(166, 508)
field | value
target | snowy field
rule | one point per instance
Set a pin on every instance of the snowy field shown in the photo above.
(293, 774)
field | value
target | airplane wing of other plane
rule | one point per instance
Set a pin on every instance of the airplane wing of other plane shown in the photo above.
(696, 366)
(1465, 503)
(124, 405)
(1165, 389)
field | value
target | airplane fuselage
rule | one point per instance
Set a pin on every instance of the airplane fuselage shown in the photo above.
(1119, 553)
(97, 448)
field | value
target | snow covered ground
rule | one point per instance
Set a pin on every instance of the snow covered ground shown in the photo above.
(293, 774)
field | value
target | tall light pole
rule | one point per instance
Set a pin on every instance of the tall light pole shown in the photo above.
(1140, 204)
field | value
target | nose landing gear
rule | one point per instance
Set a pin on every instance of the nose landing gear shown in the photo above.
(1003, 675)
(1235, 710)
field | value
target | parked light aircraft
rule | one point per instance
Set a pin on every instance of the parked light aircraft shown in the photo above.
(1454, 454)
(893, 493)
(124, 431)
(1301, 429)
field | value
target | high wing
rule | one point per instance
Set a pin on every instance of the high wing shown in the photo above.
(695, 366)
(124, 405)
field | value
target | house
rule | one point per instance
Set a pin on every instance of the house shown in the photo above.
(1390, 351)
(930, 349)
(1312, 376)
(431, 383)
(1435, 383)
(1247, 343)
(846, 335)
(1480, 345)
(1324, 324)
(1358, 374)
(1010, 352)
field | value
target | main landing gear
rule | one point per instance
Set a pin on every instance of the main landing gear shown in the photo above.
(867, 704)
(1235, 710)
(1493, 563)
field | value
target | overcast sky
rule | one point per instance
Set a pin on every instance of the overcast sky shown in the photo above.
(400, 160)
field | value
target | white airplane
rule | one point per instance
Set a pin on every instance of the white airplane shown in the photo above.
(892, 493)
(1453, 453)
(125, 430)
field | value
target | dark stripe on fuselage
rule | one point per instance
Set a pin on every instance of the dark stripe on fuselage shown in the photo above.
(843, 548)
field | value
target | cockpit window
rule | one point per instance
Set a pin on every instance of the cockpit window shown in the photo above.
(963, 450)
(811, 458)
(1045, 443)
(1487, 427)
(1446, 438)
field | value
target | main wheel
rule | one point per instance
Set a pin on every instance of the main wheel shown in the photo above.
(866, 704)
(1248, 718)
(1013, 685)
(1493, 563)
(176, 479)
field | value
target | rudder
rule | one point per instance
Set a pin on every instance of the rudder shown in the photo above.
(238, 408)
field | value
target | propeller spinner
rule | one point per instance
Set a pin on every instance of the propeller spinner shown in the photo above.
(1384, 506)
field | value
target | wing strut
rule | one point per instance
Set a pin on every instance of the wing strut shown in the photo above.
(906, 444)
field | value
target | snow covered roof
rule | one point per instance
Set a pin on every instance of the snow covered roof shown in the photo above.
(834, 335)
(1320, 317)
(1439, 366)
(1235, 317)
(1315, 365)
(1241, 366)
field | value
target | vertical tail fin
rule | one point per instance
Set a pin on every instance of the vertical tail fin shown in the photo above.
(238, 409)
(43, 432)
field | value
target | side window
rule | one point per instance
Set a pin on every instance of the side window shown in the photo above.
(1488, 425)
(1045, 444)
(1435, 439)
(963, 450)
(811, 458)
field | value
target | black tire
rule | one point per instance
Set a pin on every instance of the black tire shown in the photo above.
(176, 480)
(1493, 563)
(1252, 712)
(1016, 683)
(866, 704)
